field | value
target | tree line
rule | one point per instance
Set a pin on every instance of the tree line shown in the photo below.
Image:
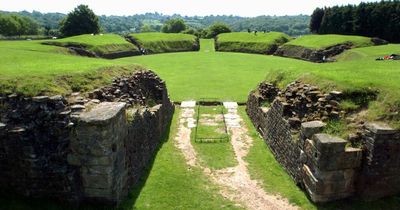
(17, 25)
(153, 22)
(377, 19)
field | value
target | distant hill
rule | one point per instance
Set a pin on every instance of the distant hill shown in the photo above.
(292, 25)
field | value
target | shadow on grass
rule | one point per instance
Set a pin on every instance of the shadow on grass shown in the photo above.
(13, 201)
(135, 192)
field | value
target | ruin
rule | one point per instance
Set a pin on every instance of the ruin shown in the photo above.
(83, 148)
(327, 167)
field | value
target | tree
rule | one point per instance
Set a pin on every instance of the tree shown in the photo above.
(174, 26)
(218, 28)
(12, 24)
(80, 21)
(316, 19)
(146, 28)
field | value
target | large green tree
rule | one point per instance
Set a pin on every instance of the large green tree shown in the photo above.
(174, 26)
(316, 19)
(218, 28)
(81, 20)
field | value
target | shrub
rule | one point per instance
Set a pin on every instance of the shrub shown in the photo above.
(174, 26)
(217, 28)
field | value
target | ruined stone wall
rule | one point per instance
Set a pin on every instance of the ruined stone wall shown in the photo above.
(380, 172)
(34, 145)
(84, 148)
(324, 165)
(277, 133)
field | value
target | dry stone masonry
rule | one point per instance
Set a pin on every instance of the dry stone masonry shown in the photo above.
(83, 148)
(292, 122)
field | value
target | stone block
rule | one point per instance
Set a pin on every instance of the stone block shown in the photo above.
(308, 129)
(380, 128)
(99, 193)
(97, 181)
(321, 190)
(327, 144)
(331, 161)
(102, 113)
(40, 99)
(99, 161)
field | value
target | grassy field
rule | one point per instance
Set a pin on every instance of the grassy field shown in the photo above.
(262, 43)
(323, 41)
(31, 68)
(99, 44)
(165, 42)
(230, 76)
(215, 155)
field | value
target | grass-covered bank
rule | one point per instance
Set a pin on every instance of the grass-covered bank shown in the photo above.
(101, 45)
(30, 68)
(323, 41)
(165, 42)
(261, 43)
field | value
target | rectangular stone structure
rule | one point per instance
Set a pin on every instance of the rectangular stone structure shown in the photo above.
(98, 148)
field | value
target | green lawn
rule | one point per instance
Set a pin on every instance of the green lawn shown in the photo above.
(31, 68)
(166, 42)
(101, 44)
(322, 41)
(249, 42)
(219, 154)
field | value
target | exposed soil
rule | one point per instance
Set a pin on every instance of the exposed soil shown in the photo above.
(235, 182)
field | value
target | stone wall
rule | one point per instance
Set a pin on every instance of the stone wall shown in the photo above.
(34, 146)
(380, 172)
(82, 149)
(276, 131)
(325, 166)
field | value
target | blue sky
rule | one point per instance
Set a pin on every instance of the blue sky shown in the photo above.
(248, 8)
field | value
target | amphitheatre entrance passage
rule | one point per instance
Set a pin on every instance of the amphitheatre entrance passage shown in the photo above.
(220, 123)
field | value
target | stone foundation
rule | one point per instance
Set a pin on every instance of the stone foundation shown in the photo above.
(325, 166)
(81, 149)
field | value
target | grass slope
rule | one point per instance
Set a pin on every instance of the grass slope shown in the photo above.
(262, 43)
(99, 44)
(264, 167)
(165, 42)
(323, 41)
(29, 68)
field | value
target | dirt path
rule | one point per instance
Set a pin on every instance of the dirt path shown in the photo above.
(235, 182)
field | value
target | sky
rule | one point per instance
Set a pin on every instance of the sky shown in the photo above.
(246, 8)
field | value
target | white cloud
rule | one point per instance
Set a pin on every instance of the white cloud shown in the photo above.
(184, 7)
